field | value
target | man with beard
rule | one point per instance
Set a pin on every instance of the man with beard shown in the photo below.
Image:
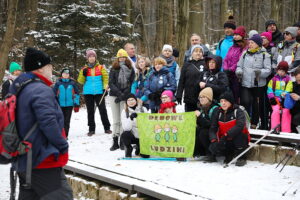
(277, 36)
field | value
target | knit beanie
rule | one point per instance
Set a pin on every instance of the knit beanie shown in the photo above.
(292, 30)
(167, 46)
(65, 70)
(283, 65)
(197, 46)
(230, 23)
(130, 95)
(207, 92)
(257, 39)
(122, 53)
(227, 96)
(269, 22)
(90, 52)
(14, 67)
(268, 35)
(240, 31)
(168, 93)
(297, 24)
(252, 32)
(35, 59)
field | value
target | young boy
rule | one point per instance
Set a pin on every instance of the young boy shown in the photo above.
(67, 93)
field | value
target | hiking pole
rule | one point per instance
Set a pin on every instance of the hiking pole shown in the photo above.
(251, 145)
(286, 191)
(290, 155)
(103, 95)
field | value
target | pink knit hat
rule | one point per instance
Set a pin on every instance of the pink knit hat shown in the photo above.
(268, 35)
(169, 93)
(90, 52)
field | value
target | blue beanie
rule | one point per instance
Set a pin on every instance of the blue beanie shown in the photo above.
(257, 39)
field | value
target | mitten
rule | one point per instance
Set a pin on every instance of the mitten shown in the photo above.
(76, 109)
(273, 101)
(133, 115)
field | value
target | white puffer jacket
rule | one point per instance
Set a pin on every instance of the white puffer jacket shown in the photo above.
(127, 123)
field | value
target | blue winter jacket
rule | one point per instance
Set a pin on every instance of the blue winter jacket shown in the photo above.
(222, 49)
(159, 81)
(67, 92)
(37, 103)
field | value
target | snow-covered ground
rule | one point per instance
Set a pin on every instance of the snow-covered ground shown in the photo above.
(254, 181)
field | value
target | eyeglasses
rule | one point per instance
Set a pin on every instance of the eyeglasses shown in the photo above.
(286, 33)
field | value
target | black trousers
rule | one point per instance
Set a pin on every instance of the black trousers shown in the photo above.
(202, 142)
(190, 107)
(90, 101)
(253, 99)
(46, 184)
(67, 111)
(128, 138)
(236, 145)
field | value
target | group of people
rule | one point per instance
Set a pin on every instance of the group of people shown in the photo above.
(256, 72)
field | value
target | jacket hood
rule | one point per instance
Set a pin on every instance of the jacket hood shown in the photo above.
(218, 60)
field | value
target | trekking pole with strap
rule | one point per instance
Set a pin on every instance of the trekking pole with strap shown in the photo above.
(103, 96)
(252, 145)
(289, 155)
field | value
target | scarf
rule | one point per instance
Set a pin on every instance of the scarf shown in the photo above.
(169, 60)
(252, 51)
(124, 75)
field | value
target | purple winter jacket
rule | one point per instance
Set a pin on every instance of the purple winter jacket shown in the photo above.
(232, 57)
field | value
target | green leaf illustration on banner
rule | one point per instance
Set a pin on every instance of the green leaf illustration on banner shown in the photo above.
(167, 135)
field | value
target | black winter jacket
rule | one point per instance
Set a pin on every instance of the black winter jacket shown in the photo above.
(222, 116)
(115, 89)
(296, 89)
(189, 81)
(204, 119)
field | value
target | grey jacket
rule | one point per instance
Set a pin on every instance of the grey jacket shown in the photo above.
(290, 52)
(247, 65)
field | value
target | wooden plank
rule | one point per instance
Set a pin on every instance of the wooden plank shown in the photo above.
(282, 137)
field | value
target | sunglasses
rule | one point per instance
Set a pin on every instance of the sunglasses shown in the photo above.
(286, 33)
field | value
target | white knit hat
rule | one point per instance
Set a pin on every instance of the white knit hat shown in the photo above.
(167, 46)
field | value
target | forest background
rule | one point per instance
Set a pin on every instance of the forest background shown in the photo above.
(65, 29)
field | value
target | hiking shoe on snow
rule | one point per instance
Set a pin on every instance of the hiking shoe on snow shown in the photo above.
(91, 133)
(122, 147)
(108, 131)
(228, 159)
(128, 151)
(241, 162)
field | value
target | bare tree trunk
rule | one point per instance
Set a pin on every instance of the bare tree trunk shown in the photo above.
(32, 16)
(8, 36)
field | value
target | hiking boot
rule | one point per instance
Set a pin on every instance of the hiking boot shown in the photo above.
(91, 133)
(128, 151)
(122, 147)
(108, 131)
(241, 162)
(137, 150)
(115, 145)
(228, 158)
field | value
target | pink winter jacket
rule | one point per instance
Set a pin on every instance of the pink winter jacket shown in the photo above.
(232, 58)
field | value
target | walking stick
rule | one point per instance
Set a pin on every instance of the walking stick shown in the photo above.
(251, 145)
(103, 95)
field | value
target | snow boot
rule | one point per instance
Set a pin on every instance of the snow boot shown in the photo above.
(91, 133)
(228, 158)
(137, 150)
(115, 145)
(122, 146)
(128, 151)
(144, 156)
(241, 162)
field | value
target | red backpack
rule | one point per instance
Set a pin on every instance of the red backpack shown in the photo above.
(11, 144)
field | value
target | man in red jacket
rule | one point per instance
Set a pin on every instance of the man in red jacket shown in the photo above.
(37, 106)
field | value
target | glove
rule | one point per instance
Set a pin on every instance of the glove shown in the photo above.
(76, 109)
(84, 72)
(117, 100)
(179, 100)
(273, 101)
(239, 75)
(133, 115)
(257, 73)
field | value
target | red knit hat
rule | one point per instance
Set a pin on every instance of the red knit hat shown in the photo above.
(283, 65)
(240, 31)
(268, 35)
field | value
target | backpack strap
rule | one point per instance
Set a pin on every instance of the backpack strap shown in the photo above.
(220, 43)
(211, 111)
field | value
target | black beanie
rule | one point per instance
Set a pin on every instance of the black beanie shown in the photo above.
(175, 53)
(230, 23)
(269, 22)
(227, 96)
(131, 96)
(35, 59)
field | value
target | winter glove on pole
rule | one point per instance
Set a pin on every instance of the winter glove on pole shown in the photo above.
(273, 101)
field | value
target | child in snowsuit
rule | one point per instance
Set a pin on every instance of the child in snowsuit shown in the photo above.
(167, 105)
(129, 114)
(67, 93)
(278, 87)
